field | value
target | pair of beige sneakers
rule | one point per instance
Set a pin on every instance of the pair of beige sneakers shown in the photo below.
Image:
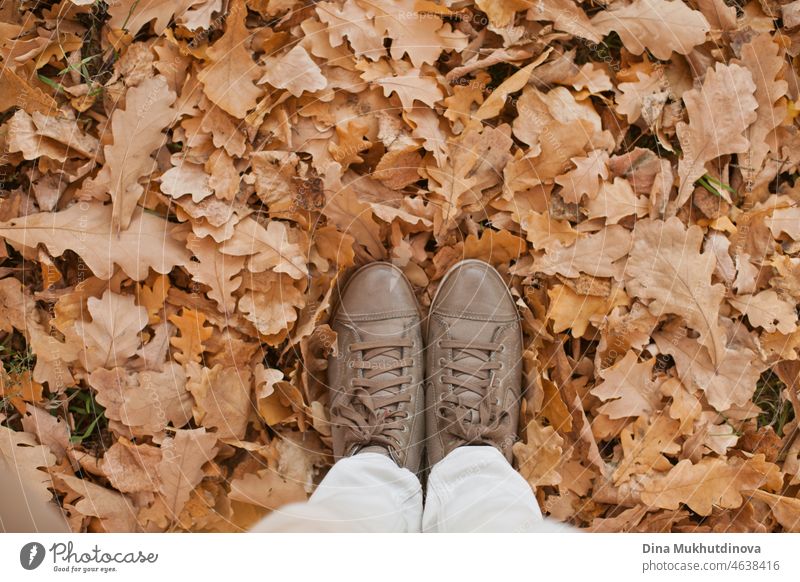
(402, 383)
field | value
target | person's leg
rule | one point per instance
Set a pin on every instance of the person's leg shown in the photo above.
(474, 381)
(376, 412)
(367, 492)
(475, 489)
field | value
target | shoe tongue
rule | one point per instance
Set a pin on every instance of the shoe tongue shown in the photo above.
(465, 330)
(371, 331)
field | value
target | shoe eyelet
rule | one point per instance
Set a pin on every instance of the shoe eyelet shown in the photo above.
(442, 361)
(405, 428)
(439, 344)
(502, 348)
(497, 402)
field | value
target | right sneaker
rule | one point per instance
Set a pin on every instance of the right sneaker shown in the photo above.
(474, 362)
(375, 380)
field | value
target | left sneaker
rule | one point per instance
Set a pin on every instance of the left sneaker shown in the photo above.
(376, 402)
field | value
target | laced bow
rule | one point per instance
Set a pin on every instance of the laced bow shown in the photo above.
(471, 409)
(370, 411)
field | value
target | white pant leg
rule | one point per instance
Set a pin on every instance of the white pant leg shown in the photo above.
(475, 489)
(367, 492)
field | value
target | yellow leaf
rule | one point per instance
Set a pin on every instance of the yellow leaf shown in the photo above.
(153, 296)
(191, 325)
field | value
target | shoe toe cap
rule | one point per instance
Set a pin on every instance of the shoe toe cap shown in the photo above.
(376, 289)
(476, 288)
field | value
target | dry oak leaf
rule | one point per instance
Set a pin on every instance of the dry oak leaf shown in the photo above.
(224, 178)
(643, 98)
(460, 104)
(86, 229)
(719, 113)
(398, 168)
(20, 389)
(785, 509)
(411, 86)
(542, 230)
(295, 71)
(615, 201)
(145, 402)
(711, 434)
(193, 332)
(731, 381)
(334, 246)
(554, 409)
(354, 22)
(26, 460)
(354, 218)
(114, 510)
(65, 131)
(267, 248)
(574, 311)
(181, 466)
(667, 268)
(565, 16)
(222, 398)
(298, 455)
(50, 430)
(685, 406)
(271, 304)
(713, 482)
(765, 60)
(768, 310)
(660, 26)
(501, 12)
(53, 356)
(57, 138)
(474, 163)
(593, 78)
(596, 255)
(644, 446)
(14, 305)
(138, 132)
(220, 272)
(627, 388)
(267, 489)
(283, 405)
(113, 334)
(185, 178)
(497, 99)
(131, 468)
(420, 36)
(539, 457)
(153, 297)
(15, 91)
(785, 220)
(132, 15)
(495, 247)
(275, 174)
(352, 140)
(229, 77)
(586, 178)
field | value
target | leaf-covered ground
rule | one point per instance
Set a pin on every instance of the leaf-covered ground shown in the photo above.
(184, 184)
